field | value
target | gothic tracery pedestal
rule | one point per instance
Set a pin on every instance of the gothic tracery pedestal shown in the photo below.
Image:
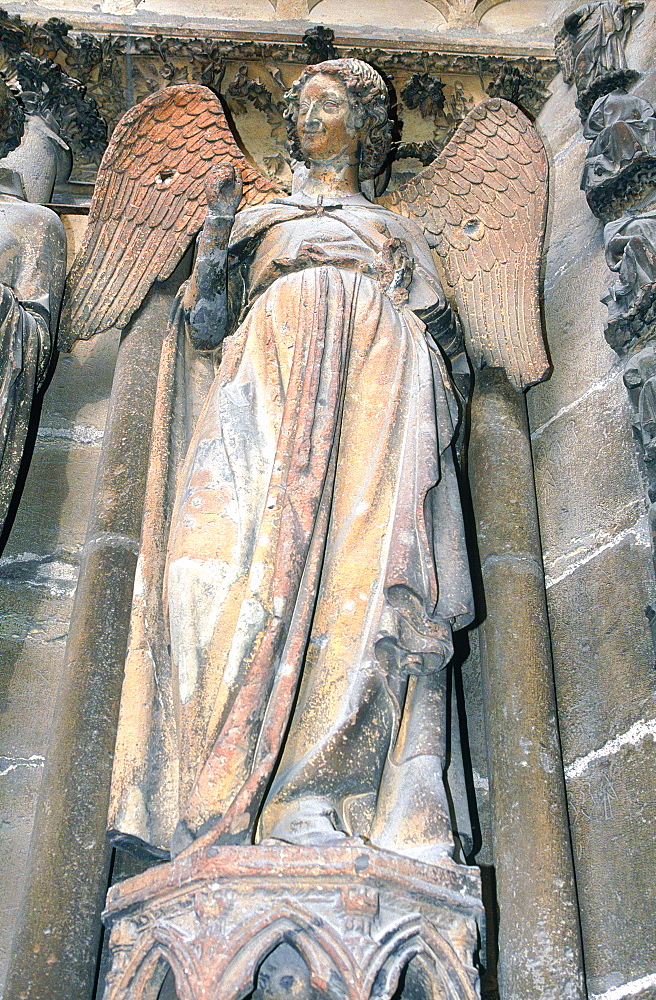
(364, 923)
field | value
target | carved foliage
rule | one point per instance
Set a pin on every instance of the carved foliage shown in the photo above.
(46, 88)
(520, 86)
(319, 43)
(426, 93)
(117, 71)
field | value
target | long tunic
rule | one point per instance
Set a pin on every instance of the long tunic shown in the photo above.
(32, 272)
(316, 556)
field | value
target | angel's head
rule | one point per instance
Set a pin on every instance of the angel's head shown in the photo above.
(368, 116)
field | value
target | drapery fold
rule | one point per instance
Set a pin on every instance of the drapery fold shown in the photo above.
(315, 557)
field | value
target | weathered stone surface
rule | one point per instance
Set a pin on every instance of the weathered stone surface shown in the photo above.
(20, 781)
(38, 573)
(601, 564)
(539, 941)
(78, 394)
(73, 805)
(56, 498)
(584, 512)
(572, 226)
(612, 805)
(640, 52)
(556, 124)
(603, 655)
(33, 626)
(574, 316)
(71, 798)
(51, 523)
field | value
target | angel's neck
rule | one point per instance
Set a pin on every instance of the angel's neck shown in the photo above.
(329, 179)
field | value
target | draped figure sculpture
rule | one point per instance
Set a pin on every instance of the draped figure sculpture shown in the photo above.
(318, 520)
(598, 32)
(303, 560)
(32, 272)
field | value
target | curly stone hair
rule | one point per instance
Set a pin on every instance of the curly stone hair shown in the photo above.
(12, 120)
(369, 101)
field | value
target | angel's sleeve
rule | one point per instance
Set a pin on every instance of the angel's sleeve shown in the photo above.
(437, 315)
(442, 325)
(29, 305)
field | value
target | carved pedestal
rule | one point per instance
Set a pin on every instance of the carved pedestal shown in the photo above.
(346, 922)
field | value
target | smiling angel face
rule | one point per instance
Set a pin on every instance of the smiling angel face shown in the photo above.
(326, 123)
(345, 110)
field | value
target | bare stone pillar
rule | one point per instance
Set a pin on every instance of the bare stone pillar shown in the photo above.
(539, 937)
(55, 951)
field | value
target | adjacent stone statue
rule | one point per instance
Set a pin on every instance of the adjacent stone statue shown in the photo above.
(303, 558)
(631, 298)
(640, 380)
(595, 34)
(623, 152)
(32, 272)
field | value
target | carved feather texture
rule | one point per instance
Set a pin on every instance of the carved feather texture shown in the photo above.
(148, 204)
(482, 204)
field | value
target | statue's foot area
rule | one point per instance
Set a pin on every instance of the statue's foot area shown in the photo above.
(308, 822)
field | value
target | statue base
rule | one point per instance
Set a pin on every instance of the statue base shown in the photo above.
(276, 921)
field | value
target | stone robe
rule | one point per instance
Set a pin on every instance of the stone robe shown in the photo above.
(32, 272)
(623, 128)
(599, 31)
(316, 554)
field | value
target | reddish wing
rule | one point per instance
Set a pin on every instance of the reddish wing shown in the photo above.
(148, 204)
(482, 205)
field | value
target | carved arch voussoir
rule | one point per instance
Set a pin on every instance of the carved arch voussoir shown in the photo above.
(464, 11)
(327, 959)
(444, 958)
(140, 980)
(483, 6)
(396, 947)
(414, 937)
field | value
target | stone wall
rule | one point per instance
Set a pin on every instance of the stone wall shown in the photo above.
(38, 573)
(600, 574)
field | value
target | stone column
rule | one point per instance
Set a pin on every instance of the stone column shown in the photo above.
(55, 951)
(539, 938)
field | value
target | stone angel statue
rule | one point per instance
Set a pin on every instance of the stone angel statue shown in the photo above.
(303, 561)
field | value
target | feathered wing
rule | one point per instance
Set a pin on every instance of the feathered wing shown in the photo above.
(482, 205)
(148, 204)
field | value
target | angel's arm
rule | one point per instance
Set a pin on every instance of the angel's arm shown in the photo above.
(148, 205)
(206, 297)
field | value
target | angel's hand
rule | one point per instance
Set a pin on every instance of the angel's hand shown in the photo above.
(223, 189)
(394, 266)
